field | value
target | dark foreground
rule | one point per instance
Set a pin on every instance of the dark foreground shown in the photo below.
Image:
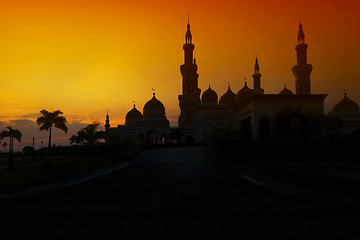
(173, 194)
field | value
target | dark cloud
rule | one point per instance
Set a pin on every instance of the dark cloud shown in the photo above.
(31, 115)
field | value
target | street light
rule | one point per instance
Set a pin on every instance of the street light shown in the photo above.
(33, 151)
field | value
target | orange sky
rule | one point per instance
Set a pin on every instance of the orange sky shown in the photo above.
(85, 57)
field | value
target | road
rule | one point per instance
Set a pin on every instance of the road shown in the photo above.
(173, 193)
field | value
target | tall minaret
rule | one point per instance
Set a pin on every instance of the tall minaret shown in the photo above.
(107, 122)
(302, 70)
(256, 76)
(190, 98)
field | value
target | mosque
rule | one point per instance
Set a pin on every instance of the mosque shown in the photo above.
(252, 111)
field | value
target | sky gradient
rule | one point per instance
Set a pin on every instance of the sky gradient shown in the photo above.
(89, 57)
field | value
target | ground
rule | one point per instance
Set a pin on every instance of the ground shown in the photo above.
(174, 193)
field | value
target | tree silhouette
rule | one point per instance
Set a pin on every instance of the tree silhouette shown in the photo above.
(4, 145)
(88, 135)
(11, 133)
(47, 121)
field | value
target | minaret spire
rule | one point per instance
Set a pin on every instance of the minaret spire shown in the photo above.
(256, 76)
(188, 36)
(190, 98)
(256, 67)
(302, 70)
(301, 35)
(107, 121)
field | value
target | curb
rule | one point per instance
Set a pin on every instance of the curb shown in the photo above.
(300, 193)
(44, 190)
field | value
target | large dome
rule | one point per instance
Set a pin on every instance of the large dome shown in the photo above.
(228, 98)
(345, 108)
(133, 116)
(209, 97)
(244, 93)
(286, 91)
(154, 104)
(154, 111)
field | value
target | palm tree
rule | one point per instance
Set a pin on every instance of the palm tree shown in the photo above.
(11, 133)
(47, 121)
(88, 135)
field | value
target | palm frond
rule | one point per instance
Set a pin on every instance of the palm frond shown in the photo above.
(17, 135)
(45, 126)
(57, 113)
(62, 126)
(4, 134)
(40, 120)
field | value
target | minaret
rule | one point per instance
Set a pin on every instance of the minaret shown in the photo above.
(302, 70)
(107, 122)
(190, 98)
(256, 76)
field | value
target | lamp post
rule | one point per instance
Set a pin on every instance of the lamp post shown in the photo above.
(33, 152)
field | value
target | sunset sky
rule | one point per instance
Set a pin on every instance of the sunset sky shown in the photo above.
(86, 57)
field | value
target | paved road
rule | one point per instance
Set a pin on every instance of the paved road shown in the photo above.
(172, 193)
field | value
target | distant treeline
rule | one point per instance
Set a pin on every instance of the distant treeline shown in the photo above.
(80, 150)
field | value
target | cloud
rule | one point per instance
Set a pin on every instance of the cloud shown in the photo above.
(30, 130)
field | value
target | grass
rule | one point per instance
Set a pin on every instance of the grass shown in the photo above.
(62, 167)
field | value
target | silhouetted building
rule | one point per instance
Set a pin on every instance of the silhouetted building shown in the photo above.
(344, 120)
(150, 127)
(256, 114)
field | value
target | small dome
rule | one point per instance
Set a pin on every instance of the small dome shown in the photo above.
(244, 93)
(345, 108)
(347, 104)
(209, 97)
(286, 91)
(228, 97)
(133, 116)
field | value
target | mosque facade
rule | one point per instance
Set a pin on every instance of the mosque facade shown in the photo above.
(252, 111)
(149, 127)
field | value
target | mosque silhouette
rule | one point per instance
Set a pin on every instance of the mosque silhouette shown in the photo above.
(260, 116)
